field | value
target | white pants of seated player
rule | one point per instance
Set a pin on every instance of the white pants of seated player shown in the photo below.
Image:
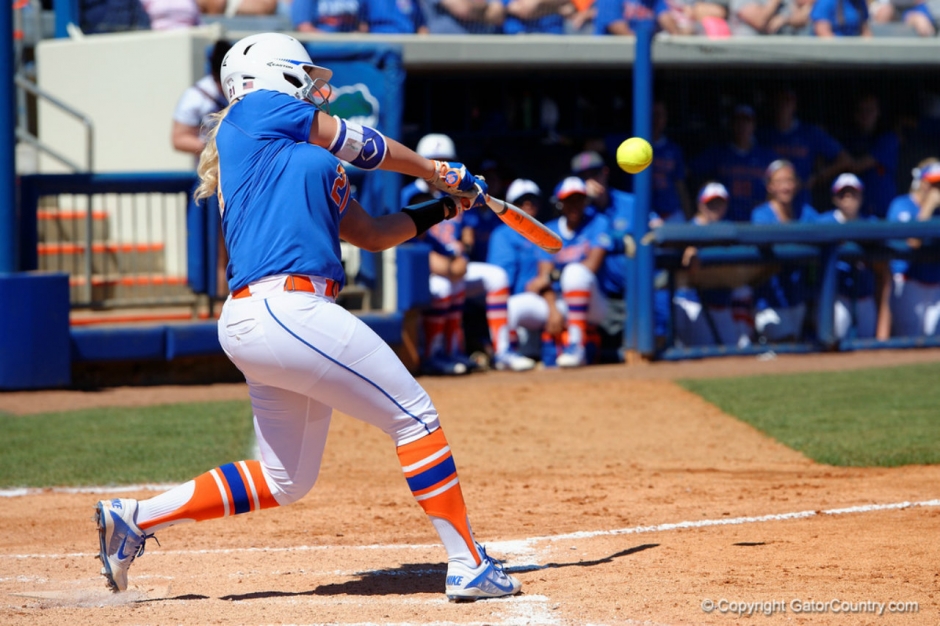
(860, 314)
(778, 324)
(480, 278)
(693, 327)
(530, 311)
(915, 308)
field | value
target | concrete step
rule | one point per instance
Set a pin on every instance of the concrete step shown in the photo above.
(107, 258)
(129, 288)
(70, 226)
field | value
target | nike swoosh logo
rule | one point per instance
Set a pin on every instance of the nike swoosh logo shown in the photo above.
(507, 588)
(120, 551)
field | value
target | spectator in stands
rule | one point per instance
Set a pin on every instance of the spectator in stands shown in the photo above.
(780, 303)
(707, 317)
(918, 16)
(112, 16)
(814, 153)
(670, 195)
(527, 310)
(579, 17)
(875, 151)
(840, 18)
(739, 165)
(694, 17)
(328, 16)
(860, 282)
(619, 17)
(190, 125)
(199, 102)
(172, 14)
(463, 17)
(770, 17)
(915, 302)
(394, 16)
(238, 7)
(536, 16)
(571, 273)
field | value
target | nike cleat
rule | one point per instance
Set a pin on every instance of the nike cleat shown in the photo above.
(121, 541)
(488, 580)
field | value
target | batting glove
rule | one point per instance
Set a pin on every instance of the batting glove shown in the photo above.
(453, 179)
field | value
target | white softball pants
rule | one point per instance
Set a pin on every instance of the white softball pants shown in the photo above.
(915, 308)
(303, 356)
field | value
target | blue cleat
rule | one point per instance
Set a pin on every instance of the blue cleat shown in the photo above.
(121, 541)
(488, 580)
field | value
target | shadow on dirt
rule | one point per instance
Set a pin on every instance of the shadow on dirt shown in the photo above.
(413, 578)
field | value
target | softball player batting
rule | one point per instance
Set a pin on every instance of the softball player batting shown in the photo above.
(273, 158)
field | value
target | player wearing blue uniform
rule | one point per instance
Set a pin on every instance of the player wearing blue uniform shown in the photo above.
(670, 196)
(875, 152)
(583, 235)
(527, 311)
(739, 165)
(864, 288)
(815, 154)
(780, 303)
(915, 302)
(707, 317)
(274, 159)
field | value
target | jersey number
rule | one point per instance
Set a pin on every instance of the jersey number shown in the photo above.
(340, 191)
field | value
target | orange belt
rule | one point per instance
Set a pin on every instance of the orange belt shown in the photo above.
(295, 282)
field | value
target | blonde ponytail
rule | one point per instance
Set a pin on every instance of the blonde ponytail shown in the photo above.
(208, 168)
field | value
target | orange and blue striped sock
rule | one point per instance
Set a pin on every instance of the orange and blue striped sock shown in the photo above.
(227, 490)
(578, 302)
(432, 477)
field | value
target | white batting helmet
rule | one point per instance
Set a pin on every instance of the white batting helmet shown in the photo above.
(272, 61)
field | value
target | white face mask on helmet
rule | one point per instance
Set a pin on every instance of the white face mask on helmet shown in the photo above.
(277, 62)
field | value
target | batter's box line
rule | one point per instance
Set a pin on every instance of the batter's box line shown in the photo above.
(525, 546)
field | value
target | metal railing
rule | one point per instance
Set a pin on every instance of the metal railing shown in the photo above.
(23, 134)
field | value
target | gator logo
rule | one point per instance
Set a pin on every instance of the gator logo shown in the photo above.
(355, 103)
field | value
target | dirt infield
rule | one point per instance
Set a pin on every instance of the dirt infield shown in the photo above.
(616, 497)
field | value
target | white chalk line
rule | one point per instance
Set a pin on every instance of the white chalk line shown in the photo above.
(526, 546)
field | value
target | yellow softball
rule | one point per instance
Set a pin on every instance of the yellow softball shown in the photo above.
(634, 155)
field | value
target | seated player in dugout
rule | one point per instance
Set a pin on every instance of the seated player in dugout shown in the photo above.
(567, 279)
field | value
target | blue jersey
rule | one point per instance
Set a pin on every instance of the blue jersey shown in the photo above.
(904, 209)
(483, 221)
(332, 16)
(552, 23)
(393, 16)
(447, 233)
(629, 11)
(515, 254)
(668, 170)
(845, 16)
(577, 244)
(612, 275)
(802, 145)
(272, 182)
(742, 173)
(441, 21)
(785, 289)
(880, 186)
(855, 279)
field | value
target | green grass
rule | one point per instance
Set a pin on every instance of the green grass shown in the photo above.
(874, 417)
(168, 443)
